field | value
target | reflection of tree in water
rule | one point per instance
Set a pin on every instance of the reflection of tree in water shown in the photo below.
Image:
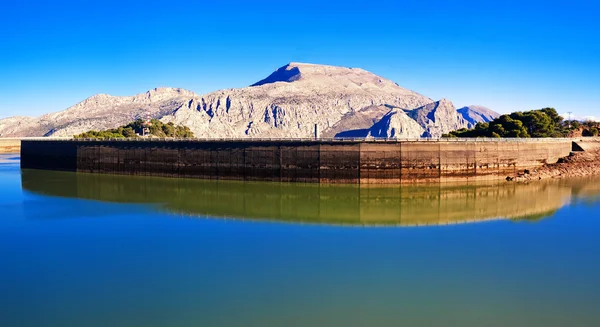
(314, 203)
(535, 217)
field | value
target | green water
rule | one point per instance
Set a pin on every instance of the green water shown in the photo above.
(98, 250)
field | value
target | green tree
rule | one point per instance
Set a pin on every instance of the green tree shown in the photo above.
(498, 129)
(512, 127)
(535, 123)
(554, 116)
(573, 123)
(168, 129)
(131, 130)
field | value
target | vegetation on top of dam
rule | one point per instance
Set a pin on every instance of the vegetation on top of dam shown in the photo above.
(544, 122)
(135, 129)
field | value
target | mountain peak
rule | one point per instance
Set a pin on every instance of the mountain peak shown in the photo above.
(479, 108)
(474, 114)
(297, 64)
(318, 77)
(287, 73)
(295, 71)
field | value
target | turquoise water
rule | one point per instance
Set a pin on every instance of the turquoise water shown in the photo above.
(91, 250)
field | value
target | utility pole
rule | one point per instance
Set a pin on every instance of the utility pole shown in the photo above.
(570, 112)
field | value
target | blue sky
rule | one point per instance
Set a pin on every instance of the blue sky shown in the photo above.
(509, 55)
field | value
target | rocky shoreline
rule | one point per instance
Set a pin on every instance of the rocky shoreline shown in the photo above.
(578, 164)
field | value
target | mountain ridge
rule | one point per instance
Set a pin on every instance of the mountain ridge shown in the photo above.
(287, 103)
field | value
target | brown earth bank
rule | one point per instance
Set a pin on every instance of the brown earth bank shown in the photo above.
(577, 164)
(8, 149)
(10, 145)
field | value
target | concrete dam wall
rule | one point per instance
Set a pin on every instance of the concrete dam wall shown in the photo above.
(315, 161)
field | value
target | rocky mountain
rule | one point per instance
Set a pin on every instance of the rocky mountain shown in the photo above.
(357, 123)
(288, 103)
(98, 112)
(437, 118)
(291, 101)
(396, 124)
(475, 114)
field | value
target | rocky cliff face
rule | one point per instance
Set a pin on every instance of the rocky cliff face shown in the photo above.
(19, 126)
(288, 103)
(438, 118)
(396, 124)
(357, 123)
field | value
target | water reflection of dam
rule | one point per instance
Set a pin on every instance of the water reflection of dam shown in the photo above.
(317, 203)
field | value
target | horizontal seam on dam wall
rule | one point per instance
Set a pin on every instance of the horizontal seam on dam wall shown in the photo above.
(315, 161)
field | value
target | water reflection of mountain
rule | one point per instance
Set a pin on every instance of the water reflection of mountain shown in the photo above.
(313, 203)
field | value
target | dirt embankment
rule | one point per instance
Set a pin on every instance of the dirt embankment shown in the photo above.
(14, 149)
(10, 145)
(578, 164)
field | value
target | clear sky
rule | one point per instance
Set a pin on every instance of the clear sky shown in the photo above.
(507, 55)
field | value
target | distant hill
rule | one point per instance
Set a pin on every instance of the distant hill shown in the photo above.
(99, 112)
(287, 103)
(476, 114)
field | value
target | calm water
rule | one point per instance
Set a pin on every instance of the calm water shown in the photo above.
(91, 250)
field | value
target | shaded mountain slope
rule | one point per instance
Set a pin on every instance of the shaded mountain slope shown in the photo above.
(438, 118)
(396, 124)
(474, 114)
(357, 123)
